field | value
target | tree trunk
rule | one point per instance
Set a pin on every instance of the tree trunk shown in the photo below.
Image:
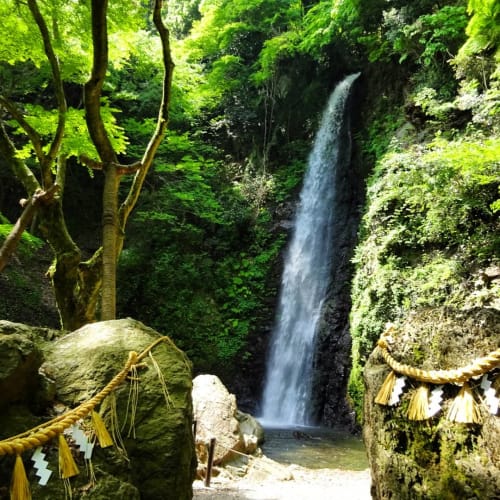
(76, 284)
(109, 239)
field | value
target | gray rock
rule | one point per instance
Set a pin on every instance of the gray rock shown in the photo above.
(217, 416)
(22, 354)
(250, 426)
(215, 412)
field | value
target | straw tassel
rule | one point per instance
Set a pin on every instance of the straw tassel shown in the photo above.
(101, 432)
(385, 392)
(19, 488)
(67, 465)
(418, 409)
(464, 408)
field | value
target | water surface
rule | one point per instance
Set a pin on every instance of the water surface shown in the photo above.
(315, 448)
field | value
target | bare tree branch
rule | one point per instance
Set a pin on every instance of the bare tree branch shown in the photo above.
(32, 134)
(55, 146)
(30, 207)
(161, 123)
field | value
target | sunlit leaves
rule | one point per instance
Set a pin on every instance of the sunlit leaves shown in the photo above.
(484, 26)
(275, 49)
(76, 138)
(20, 38)
(440, 195)
(69, 23)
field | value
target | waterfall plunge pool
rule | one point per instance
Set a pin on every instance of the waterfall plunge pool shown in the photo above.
(315, 447)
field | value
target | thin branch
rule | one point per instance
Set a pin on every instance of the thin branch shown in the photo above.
(32, 134)
(90, 163)
(99, 165)
(162, 121)
(18, 167)
(55, 146)
(127, 169)
(30, 207)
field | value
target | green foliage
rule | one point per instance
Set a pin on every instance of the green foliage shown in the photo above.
(207, 259)
(318, 28)
(430, 222)
(276, 49)
(442, 33)
(76, 139)
(287, 180)
(379, 134)
(429, 40)
(21, 40)
(180, 16)
(483, 29)
(478, 59)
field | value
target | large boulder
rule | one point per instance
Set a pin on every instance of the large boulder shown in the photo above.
(21, 348)
(155, 459)
(435, 458)
(217, 416)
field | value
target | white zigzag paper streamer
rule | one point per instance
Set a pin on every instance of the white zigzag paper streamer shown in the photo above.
(490, 395)
(40, 465)
(435, 399)
(86, 447)
(397, 391)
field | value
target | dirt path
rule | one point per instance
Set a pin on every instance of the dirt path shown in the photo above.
(289, 483)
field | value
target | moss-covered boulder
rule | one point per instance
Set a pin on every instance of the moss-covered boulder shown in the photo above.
(151, 410)
(434, 459)
(21, 348)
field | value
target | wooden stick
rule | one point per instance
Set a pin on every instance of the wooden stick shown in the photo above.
(211, 450)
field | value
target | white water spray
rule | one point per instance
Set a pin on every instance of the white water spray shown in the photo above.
(306, 275)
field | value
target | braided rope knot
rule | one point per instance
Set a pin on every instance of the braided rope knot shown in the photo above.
(458, 376)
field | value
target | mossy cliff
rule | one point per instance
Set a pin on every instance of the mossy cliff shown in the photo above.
(427, 259)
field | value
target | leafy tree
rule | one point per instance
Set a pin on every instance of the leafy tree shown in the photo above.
(479, 56)
(40, 132)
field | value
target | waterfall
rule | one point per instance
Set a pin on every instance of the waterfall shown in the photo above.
(306, 275)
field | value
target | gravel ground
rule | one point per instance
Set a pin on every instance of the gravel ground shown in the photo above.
(268, 480)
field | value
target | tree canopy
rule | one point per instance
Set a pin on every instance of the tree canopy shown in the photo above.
(45, 143)
(203, 243)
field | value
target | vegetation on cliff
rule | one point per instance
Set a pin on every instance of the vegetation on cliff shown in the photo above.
(202, 256)
(429, 236)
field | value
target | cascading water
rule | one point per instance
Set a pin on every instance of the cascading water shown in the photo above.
(306, 275)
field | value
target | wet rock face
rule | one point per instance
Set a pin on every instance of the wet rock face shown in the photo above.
(158, 461)
(332, 362)
(434, 458)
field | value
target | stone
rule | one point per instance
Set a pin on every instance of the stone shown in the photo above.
(253, 432)
(22, 356)
(264, 469)
(156, 458)
(434, 458)
(217, 416)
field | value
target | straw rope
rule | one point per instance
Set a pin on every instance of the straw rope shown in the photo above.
(478, 367)
(45, 432)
